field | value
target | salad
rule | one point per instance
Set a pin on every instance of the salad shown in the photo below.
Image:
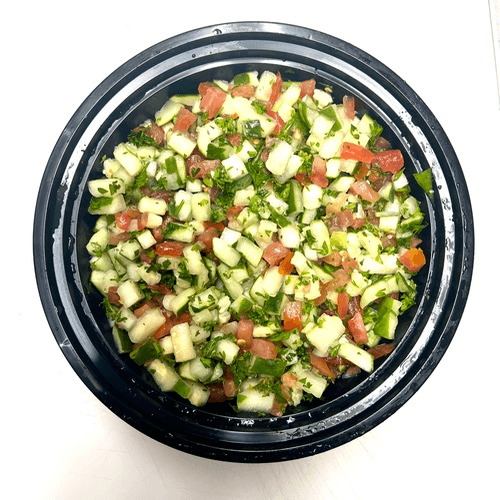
(254, 242)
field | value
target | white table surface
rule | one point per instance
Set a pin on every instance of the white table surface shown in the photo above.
(60, 442)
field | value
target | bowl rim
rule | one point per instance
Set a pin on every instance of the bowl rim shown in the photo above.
(246, 442)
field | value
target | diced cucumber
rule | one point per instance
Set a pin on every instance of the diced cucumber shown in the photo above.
(381, 288)
(182, 342)
(163, 374)
(356, 355)
(249, 250)
(168, 112)
(225, 252)
(128, 160)
(146, 325)
(180, 302)
(308, 381)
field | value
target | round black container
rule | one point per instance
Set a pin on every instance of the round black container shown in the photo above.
(62, 228)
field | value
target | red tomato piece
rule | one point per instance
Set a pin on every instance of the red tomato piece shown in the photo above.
(245, 333)
(302, 178)
(389, 161)
(275, 91)
(349, 107)
(318, 172)
(363, 189)
(233, 212)
(264, 348)
(413, 259)
(113, 296)
(286, 267)
(351, 151)
(381, 350)
(321, 365)
(342, 305)
(184, 120)
(123, 221)
(247, 90)
(200, 169)
(142, 220)
(217, 394)
(207, 236)
(229, 384)
(275, 252)
(292, 316)
(212, 100)
(307, 88)
(357, 328)
(169, 249)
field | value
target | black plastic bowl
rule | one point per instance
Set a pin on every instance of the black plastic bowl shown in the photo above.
(62, 227)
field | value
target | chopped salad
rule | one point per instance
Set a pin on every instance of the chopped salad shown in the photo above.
(254, 242)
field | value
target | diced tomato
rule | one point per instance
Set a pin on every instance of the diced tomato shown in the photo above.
(277, 409)
(139, 311)
(184, 120)
(302, 178)
(323, 290)
(275, 91)
(275, 252)
(228, 383)
(345, 218)
(217, 394)
(381, 350)
(142, 221)
(349, 107)
(115, 238)
(217, 225)
(207, 236)
(264, 348)
(113, 296)
(318, 172)
(355, 305)
(157, 234)
(340, 278)
(381, 144)
(164, 289)
(203, 87)
(247, 90)
(363, 189)
(163, 330)
(199, 170)
(389, 161)
(362, 171)
(156, 133)
(169, 249)
(280, 124)
(171, 321)
(321, 365)
(351, 151)
(122, 221)
(342, 305)
(286, 267)
(357, 328)
(349, 264)
(413, 259)
(292, 316)
(233, 212)
(145, 257)
(244, 333)
(234, 139)
(212, 100)
(307, 88)
(334, 259)
(289, 379)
